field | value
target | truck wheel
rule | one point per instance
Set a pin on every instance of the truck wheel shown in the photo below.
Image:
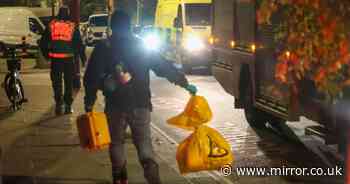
(254, 116)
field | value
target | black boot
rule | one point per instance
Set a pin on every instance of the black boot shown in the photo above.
(120, 176)
(59, 109)
(151, 171)
(68, 109)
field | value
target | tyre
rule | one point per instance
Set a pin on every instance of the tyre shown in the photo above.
(254, 116)
(7, 86)
(19, 91)
(14, 90)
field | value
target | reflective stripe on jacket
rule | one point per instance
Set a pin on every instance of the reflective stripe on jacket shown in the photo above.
(60, 55)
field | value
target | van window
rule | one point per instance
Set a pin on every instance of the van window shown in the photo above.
(34, 26)
(245, 17)
(198, 14)
(99, 21)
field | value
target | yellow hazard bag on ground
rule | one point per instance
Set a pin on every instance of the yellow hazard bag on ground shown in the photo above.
(196, 113)
(205, 149)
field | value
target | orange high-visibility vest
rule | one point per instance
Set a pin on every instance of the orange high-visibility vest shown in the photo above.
(61, 39)
(62, 30)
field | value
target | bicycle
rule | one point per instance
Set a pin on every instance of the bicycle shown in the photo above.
(12, 83)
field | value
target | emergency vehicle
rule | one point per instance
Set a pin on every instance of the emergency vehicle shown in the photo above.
(186, 26)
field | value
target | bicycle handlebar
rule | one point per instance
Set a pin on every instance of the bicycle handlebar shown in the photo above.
(10, 49)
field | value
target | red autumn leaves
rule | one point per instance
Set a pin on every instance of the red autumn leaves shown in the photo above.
(317, 41)
(328, 31)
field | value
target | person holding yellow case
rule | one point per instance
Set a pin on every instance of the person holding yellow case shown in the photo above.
(120, 67)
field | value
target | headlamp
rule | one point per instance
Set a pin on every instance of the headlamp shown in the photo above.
(152, 41)
(194, 43)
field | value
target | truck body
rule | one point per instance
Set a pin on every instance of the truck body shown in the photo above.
(244, 62)
(186, 26)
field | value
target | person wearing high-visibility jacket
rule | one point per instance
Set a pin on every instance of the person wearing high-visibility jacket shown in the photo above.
(60, 43)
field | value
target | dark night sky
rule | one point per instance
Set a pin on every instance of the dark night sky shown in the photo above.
(127, 5)
(148, 11)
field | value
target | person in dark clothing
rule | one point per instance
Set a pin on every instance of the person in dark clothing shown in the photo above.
(60, 43)
(121, 68)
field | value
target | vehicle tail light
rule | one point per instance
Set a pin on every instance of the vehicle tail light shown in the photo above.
(288, 54)
(211, 40)
(253, 47)
(216, 40)
(232, 44)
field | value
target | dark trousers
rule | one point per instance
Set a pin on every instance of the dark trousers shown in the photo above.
(76, 76)
(139, 121)
(62, 69)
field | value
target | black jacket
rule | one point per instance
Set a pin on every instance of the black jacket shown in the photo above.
(138, 62)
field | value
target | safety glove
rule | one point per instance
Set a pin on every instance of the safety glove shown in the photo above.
(192, 89)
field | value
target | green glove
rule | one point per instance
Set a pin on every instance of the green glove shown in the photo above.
(192, 89)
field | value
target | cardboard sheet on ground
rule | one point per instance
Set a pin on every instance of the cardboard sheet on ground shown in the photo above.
(205, 149)
(196, 113)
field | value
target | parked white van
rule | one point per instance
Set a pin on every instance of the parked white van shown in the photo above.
(97, 28)
(17, 23)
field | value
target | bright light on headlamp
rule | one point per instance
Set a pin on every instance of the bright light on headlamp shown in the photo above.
(152, 41)
(194, 43)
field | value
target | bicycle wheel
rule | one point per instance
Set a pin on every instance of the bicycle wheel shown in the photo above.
(7, 86)
(19, 89)
(14, 90)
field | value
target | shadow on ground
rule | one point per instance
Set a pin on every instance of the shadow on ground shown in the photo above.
(292, 153)
(43, 180)
(45, 149)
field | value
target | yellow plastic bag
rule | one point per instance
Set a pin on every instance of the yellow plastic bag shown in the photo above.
(205, 149)
(196, 113)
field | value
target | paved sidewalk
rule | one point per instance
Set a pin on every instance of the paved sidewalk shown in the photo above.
(37, 147)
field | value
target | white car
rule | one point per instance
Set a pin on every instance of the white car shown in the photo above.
(18, 23)
(97, 28)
